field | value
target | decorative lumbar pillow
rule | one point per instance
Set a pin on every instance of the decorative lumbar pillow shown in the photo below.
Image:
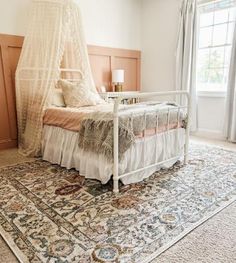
(78, 94)
(57, 98)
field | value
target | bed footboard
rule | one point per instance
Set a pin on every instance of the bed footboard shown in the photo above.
(183, 95)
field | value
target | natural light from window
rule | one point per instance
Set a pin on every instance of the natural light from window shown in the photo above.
(216, 28)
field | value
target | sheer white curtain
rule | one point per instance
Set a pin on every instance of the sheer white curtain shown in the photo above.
(186, 54)
(231, 96)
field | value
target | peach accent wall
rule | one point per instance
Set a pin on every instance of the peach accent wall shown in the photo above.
(103, 60)
(10, 48)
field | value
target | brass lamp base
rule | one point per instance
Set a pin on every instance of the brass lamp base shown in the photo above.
(118, 88)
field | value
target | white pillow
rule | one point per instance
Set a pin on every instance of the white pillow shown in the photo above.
(78, 94)
(57, 98)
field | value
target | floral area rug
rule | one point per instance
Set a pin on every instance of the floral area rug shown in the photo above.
(50, 214)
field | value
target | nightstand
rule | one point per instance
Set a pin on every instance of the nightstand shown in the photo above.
(111, 96)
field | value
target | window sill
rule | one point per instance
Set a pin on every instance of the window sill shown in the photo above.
(212, 94)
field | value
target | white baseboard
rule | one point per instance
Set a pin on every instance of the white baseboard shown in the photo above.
(209, 134)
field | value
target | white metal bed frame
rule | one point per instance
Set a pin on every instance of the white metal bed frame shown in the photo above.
(116, 115)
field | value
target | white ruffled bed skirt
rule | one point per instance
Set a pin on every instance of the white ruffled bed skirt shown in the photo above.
(60, 146)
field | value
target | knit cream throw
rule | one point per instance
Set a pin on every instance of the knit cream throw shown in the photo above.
(96, 133)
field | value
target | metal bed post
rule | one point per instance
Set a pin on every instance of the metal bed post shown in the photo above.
(144, 138)
(116, 146)
(187, 133)
(156, 134)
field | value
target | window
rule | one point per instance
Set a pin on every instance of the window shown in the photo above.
(216, 28)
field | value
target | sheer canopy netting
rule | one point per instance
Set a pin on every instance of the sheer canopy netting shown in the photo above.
(54, 40)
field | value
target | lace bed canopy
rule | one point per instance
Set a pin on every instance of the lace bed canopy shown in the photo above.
(54, 40)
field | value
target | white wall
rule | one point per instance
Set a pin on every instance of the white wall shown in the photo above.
(13, 16)
(211, 114)
(114, 23)
(159, 33)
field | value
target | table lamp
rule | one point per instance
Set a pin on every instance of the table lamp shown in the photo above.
(118, 77)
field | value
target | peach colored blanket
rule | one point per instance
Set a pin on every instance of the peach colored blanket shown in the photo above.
(66, 118)
(70, 118)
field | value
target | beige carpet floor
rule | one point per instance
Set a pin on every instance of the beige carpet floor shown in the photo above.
(212, 242)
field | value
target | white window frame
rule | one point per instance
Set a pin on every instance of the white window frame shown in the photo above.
(207, 92)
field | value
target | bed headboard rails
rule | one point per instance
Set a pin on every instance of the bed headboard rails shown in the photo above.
(63, 72)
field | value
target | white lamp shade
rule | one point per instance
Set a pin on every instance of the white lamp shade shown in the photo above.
(118, 76)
